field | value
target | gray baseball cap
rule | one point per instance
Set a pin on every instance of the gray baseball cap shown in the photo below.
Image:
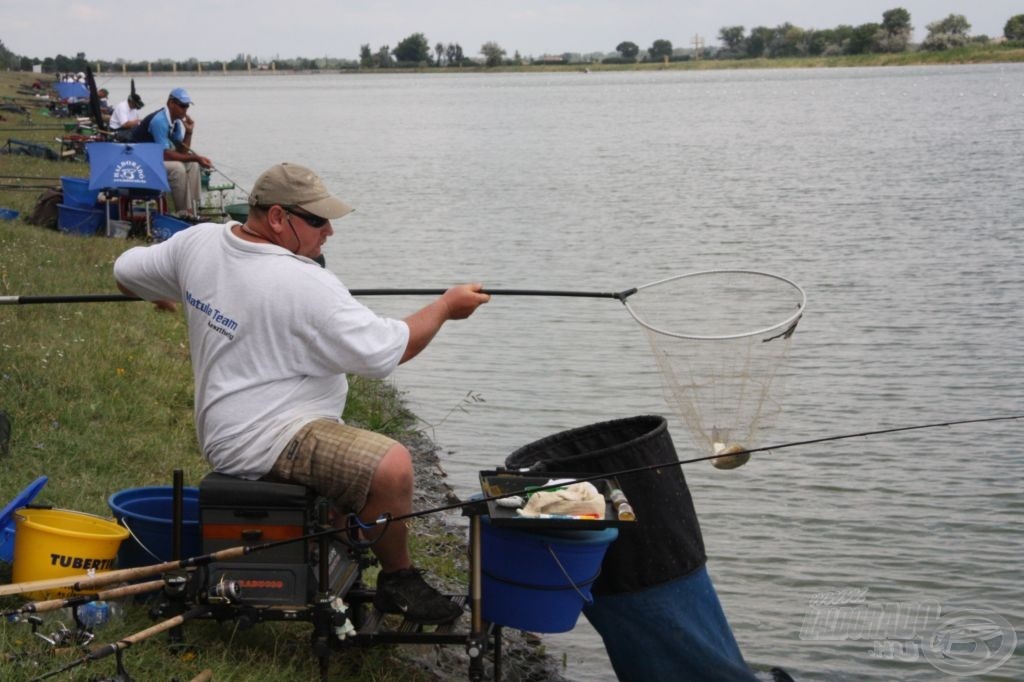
(289, 184)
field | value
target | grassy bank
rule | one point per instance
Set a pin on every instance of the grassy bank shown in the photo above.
(100, 396)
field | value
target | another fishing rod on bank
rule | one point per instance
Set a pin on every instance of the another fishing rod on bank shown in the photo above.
(86, 582)
(82, 599)
(122, 644)
(664, 465)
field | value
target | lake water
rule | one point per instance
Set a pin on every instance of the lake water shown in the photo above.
(892, 195)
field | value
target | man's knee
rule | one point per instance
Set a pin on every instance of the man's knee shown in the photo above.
(175, 172)
(394, 473)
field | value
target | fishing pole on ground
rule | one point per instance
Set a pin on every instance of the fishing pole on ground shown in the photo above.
(122, 644)
(82, 599)
(24, 188)
(85, 582)
(21, 128)
(25, 177)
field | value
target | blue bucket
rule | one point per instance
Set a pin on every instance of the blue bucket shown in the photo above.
(165, 227)
(8, 527)
(148, 514)
(79, 221)
(539, 582)
(77, 193)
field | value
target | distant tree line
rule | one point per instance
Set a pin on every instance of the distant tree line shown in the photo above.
(892, 34)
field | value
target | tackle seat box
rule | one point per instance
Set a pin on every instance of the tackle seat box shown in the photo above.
(234, 511)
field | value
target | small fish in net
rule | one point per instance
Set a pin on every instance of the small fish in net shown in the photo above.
(719, 338)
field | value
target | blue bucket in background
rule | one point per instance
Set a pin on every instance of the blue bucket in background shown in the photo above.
(539, 582)
(77, 193)
(148, 514)
(165, 226)
(79, 221)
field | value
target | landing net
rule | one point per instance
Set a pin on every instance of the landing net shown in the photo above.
(719, 338)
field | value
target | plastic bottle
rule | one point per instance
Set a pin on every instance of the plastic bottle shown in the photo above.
(94, 614)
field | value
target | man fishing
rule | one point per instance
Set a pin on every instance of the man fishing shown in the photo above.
(272, 336)
(172, 127)
(125, 117)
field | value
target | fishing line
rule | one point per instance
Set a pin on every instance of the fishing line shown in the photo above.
(234, 182)
(387, 519)
(665, 465)
(86, 582)
(218, 170)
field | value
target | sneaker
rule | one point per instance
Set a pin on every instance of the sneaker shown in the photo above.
(406, 592)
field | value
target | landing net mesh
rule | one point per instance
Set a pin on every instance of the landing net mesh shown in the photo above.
(719, 338)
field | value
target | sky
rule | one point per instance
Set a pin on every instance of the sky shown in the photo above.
(213, 30)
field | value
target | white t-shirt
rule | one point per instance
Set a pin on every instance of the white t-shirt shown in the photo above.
(122, 114)
(272, 336)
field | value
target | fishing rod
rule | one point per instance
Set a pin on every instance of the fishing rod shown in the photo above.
(122, 644)
(79, 600)
(231, 180)
(23, 188)
(115, 298)
(33, 128)
(86, 582)
(664, 465)
(27, 177)
(216, 168)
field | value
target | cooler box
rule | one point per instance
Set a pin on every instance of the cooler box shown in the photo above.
(80, 221)
(165, 226)
(235, 512)
(77, 193)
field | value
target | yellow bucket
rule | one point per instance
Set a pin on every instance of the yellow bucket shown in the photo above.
(56, 543)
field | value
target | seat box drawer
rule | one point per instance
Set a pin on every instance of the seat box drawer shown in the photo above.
(267, 584)
(225, 528)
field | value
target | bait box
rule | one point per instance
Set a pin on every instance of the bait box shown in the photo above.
(497, 483)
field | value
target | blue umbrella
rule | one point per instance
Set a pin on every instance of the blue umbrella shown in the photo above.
(114, 165)
(72, 90)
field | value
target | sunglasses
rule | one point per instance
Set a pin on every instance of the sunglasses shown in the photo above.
(314, 221)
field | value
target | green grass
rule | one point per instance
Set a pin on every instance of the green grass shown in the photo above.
(100, 396)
